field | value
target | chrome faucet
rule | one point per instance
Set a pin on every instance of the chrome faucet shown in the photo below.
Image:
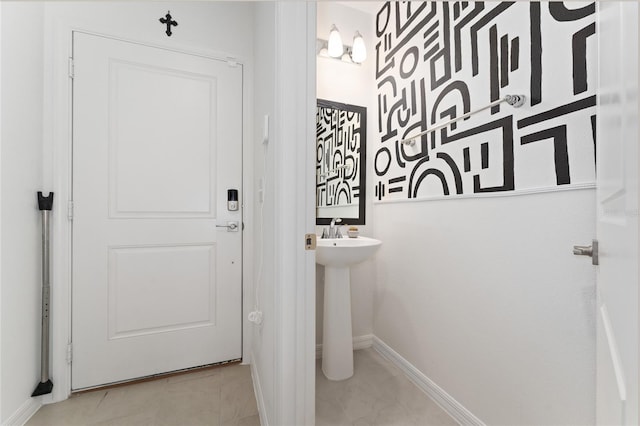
(334, 230)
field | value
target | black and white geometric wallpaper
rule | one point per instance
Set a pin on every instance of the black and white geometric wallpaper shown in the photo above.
(439, 60)
(339, 141)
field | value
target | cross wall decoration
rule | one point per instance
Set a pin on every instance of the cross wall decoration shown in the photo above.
(169, 22)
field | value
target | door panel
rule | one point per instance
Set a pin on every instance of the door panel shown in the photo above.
(157, 143)
(175, 275)
(175, 137)
(617, 215)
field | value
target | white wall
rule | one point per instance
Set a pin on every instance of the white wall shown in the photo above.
(483, 294)
(351, 84)
(486, 299)
(21, 178)
(263, 337)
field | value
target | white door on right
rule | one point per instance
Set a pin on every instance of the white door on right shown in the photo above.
(617, 215)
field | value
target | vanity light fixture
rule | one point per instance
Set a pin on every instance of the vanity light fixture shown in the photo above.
(359, 51)
(334, 48)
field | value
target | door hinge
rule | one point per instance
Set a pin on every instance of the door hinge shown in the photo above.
(70, 210)
(69, 353)
(71, 68)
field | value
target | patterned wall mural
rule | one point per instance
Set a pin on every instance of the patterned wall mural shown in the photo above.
(439, 60)
(339, 141)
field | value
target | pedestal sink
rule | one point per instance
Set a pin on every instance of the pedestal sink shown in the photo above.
(337, 255)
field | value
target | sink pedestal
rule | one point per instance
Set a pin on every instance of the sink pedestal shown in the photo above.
(337, 256)
(337, 340)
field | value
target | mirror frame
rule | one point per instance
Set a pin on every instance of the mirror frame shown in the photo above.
(362, 195)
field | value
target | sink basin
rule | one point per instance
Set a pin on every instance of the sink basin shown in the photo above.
(341, 252)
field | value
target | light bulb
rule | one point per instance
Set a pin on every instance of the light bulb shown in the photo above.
(335, 43)
(359, 52)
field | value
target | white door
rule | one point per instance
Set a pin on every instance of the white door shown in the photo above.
(617, 215)
(156, 145)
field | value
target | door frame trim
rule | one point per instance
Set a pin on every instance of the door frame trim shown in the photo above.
(58, 174)
(294, 272)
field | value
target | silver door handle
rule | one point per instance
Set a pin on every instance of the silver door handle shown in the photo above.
(591, 251)
(231, 226)
(583, 250)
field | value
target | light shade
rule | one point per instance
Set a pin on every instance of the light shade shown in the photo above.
(335, 43)
(359, 51)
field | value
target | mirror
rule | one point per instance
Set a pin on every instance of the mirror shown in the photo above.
(341, 133)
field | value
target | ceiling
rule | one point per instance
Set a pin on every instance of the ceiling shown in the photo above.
(371, 7)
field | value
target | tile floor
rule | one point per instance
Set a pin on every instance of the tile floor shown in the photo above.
(218, 396)
(377, 394)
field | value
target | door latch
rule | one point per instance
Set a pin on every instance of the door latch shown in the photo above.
(591, 251)
(231, 226)
(310, 241)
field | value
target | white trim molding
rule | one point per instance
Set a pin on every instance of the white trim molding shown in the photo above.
(257, 390)
(294, 209)
(452, 407)
(24, 412)
(359, 342)
(514, 193)
(1, 220)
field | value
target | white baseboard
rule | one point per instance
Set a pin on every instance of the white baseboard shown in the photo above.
(257, 390)
(359, 342)
(428, 386)
(24, 412)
